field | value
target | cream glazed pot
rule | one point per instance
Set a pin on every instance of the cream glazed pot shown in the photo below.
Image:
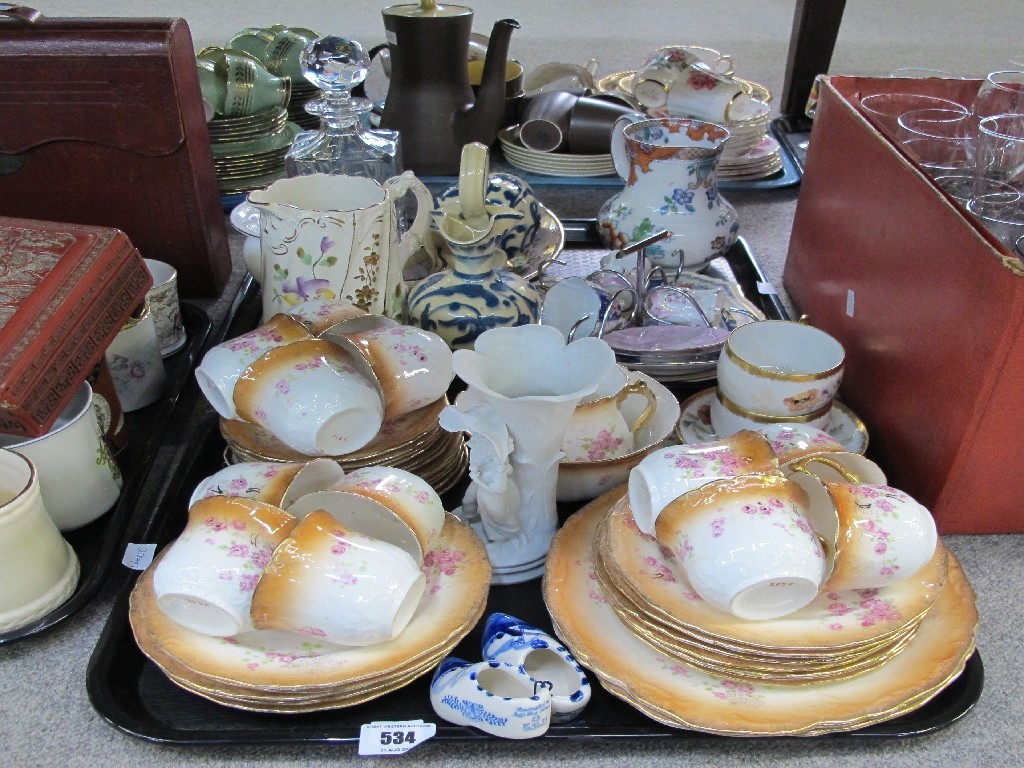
(670, 166)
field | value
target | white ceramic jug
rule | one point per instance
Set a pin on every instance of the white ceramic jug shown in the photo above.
(336, 237)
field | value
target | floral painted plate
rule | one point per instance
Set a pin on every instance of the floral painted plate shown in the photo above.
(695, 423)
(682, 696)
(285, 664)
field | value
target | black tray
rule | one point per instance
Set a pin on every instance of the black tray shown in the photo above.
(133, 695)
(98, 543)
(793, 133)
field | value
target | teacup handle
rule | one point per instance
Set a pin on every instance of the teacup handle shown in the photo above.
(800, 465)
(618, 150)
(641, 388)
(724, 65)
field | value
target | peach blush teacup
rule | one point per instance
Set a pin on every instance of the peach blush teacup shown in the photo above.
(407, 495)
(328, 581)
(879, 535)
(272, 482)
(312, 396)
(672, 471)
(746, 545)
(780, 368)
(364, 515)
(206, 579)
(412, 366)
(224, 363)
(598, 429)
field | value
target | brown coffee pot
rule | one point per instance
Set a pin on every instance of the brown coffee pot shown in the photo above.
(430, 100)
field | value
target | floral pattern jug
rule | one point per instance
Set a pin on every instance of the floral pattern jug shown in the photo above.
(670, 166)
(328, 236)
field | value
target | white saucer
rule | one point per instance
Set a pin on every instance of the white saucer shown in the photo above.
(245, 217)
(695, 423)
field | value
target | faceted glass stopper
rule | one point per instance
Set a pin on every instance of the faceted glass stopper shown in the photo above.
(335, 64)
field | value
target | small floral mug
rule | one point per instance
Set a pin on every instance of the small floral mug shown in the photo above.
(598, 429)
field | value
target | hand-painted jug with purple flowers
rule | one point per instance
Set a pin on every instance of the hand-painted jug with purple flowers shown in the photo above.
(336, 237)
(670, 166)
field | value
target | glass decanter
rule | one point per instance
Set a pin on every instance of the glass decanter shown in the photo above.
(344, 144)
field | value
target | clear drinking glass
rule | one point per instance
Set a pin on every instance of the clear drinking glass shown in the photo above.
(1001, 93)
(885, 108)
(940, 140)
(1000, 150)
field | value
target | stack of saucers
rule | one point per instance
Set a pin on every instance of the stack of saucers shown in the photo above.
(622, 603)
(282, 672)
(414, 442)
(552, 163)
(248, 152)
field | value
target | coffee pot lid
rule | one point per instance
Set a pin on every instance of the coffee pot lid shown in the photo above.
(427, 9)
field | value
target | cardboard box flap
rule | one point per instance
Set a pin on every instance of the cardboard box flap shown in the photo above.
(61, 85)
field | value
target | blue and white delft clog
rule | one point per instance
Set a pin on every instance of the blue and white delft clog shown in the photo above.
(497, 698)
(542, 658)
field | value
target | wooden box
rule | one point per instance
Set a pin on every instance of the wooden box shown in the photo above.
(929, 306)
(65, 292)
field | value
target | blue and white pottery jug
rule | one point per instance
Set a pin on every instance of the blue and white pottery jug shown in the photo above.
(473, 294)
(670, 166)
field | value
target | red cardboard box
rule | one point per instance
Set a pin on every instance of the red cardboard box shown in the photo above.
(65, 292)
(929, 306)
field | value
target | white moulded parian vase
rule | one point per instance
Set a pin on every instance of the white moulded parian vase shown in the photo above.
(532, 381)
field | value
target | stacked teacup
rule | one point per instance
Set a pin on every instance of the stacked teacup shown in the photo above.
(298, 587)
(328, 379)
(776, 372)
(771, 557)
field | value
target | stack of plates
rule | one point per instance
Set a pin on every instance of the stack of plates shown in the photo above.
(248, 152)
(414, 442)
(269, 671)
(622, 605)
(302, 94)
(551, 163)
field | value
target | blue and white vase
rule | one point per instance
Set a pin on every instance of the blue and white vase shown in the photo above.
(670, 166)
(473, 294)
(543, 658)
(497, 698)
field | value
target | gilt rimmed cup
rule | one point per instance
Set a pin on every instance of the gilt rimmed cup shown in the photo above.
(780, 368)
(223, 364)
(38, 569)
(876, 535)
(674, 470)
